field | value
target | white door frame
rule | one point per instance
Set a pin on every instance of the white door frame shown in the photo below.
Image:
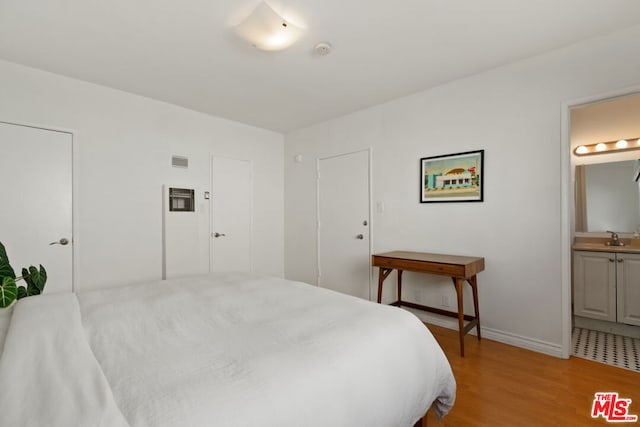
(566, 197)
(251, 199)
(74, 193)
(369, 219)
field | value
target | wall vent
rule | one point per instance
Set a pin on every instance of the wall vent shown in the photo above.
(179, 162)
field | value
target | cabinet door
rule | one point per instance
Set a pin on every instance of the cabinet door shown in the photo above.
(628, 268)
(594, 287)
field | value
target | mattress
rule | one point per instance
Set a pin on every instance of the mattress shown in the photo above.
(228, 349)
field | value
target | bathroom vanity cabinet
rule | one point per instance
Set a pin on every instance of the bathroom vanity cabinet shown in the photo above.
(606, 285)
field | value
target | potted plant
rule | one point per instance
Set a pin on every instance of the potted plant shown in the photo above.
(9, 290)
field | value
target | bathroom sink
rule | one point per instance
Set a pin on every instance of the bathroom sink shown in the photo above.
(616, 245)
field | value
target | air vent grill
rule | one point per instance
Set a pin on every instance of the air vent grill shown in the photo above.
(179, 162)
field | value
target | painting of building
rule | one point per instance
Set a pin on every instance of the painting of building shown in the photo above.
(452, 177)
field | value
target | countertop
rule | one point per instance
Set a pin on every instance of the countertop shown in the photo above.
(598, 244)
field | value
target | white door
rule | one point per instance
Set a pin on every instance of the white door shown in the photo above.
(36, 212)
(231, 214)
(343, 224)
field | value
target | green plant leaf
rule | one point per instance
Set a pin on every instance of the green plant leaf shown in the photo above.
(26, 277)
(41, 279)
(8, 291)
(35, 279)
(30, 289)
(22, 292)
(5, 268)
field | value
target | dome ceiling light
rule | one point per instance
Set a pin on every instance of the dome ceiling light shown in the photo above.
(267, 30)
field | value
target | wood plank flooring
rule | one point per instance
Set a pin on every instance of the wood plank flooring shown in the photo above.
(501, 385)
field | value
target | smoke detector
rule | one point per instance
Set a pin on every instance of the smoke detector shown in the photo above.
(322, 48)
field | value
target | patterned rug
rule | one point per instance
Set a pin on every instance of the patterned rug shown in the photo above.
(603, 347)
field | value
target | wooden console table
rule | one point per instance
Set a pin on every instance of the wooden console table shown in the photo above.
(459, 268)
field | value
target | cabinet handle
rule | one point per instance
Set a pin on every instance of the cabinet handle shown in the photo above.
(610, 259)
(620, 260)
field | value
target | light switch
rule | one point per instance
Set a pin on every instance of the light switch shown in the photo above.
(380, 207)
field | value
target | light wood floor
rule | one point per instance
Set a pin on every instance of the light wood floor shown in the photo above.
(501, 385)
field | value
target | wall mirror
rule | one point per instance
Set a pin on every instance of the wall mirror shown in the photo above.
(608, 197)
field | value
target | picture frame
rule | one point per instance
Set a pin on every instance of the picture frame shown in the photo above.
(457, 177)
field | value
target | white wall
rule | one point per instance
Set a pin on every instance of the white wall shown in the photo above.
(124, 148)
(514, 114)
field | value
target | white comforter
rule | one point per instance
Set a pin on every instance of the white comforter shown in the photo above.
(218, 350)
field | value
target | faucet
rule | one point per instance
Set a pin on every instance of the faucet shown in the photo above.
(615, 241)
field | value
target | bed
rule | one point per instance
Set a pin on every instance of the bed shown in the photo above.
(228, 349)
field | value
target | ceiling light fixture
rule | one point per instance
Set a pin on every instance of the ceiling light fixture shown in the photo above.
(266, 30)
(606, 147)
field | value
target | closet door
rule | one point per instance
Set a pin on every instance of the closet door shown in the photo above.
(36, 213)
(344, 255)
(231, 214)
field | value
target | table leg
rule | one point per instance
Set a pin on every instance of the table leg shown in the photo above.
(473, 281)
(380, 280)
(382, 274)
(458, 284)
(399, 287)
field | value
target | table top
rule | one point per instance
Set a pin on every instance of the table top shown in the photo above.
(429, 257)
(447, 265)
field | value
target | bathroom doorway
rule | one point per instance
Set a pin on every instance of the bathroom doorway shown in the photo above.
(603, 208)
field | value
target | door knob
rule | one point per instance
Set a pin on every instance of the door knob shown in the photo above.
(216, 234)
(359, 237)
(64, 241)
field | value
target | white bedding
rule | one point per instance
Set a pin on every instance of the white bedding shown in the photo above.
(49, 374)
(223, 350)
(5, 318)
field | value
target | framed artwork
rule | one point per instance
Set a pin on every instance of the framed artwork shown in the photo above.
(452, 177)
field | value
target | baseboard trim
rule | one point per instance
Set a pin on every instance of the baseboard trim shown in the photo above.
(493, 334)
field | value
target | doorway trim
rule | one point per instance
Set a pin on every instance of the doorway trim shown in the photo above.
(368, 150)
(74, 192)
(566, 197)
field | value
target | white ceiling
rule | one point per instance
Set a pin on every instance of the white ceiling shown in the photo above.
(185, 53)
